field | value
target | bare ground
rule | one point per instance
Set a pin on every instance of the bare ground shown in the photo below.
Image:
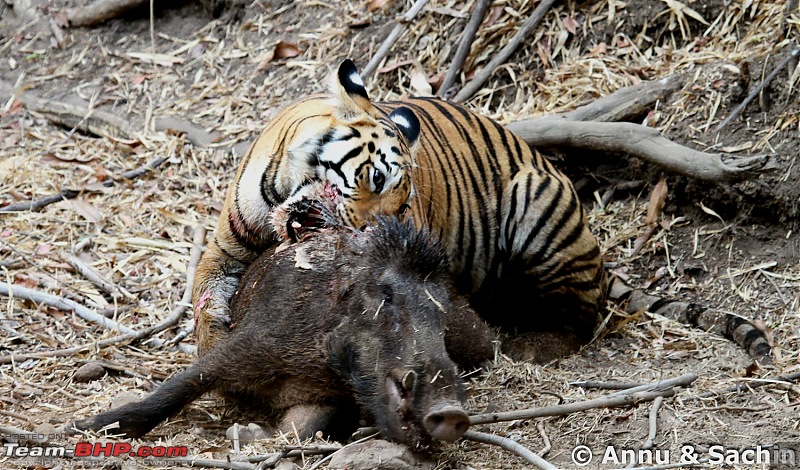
(733, 246)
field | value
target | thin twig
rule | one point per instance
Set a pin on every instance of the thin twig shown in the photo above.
(653, 422)
(480, 78)
(561, 410)
(394, 35)
(129, 334)
(754, 384)
(605, 385)
(62, 303)
(97, 279)
(757, 90)
(62, 195)
(478, 13)
(71, 193)
(510, 446)
(680, 381)
(211, 463)
(546, 449)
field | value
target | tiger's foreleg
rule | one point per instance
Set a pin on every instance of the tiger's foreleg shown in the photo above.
(215, 282)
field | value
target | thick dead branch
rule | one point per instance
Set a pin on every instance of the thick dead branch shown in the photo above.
(627, 103)
(480, 78)
(511, 446)
(478, 13)
(94, 121)
(101, 11)
(399, 29)
(642, 142)
(561, 410)
(605, 385)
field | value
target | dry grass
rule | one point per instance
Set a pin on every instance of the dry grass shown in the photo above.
(217, 75)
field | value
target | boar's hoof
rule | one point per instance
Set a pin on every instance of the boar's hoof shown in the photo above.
(447, 423)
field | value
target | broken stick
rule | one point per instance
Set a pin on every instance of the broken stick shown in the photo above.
(478, 13)
(561, 410)
(399, 29)
(480, 78)
(510, 446)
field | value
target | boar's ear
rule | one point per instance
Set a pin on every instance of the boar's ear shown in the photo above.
(350, 95)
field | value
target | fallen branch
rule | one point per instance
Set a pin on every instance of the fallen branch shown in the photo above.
(71, 193)
(605, 385)
(62, 304)
(758, 89)
(627, 103)
(680, 381)
(480, 78)
(561, 410)
(129, 334)
(478, 13)
(97, 279)
(642, 142)
(198, 241)
(754, 383)
(211, 463)
(101, 11)
(543, 435)
(394, 35)
(510, 446)
(62, 195)
(85, 119)
(653, 423)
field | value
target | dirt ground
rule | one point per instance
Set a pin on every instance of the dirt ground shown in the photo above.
(197, 88)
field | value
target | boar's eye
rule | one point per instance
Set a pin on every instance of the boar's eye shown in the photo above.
(387, 295)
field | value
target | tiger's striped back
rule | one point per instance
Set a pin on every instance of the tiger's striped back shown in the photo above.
(513, 224)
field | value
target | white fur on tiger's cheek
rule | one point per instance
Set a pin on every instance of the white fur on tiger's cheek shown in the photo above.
(356, 78)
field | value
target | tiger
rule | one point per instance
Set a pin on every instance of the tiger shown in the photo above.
(515, 231)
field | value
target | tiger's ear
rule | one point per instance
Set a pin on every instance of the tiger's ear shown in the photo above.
(407, 122)
(350, 94)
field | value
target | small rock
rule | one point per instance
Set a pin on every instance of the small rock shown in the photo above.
(377, 453)
(88, 372)
(250, 433)
(124, 398)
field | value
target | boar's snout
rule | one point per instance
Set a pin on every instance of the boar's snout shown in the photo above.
(447, 423)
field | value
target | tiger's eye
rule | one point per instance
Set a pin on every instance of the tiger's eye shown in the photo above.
(378, 179)
(403, 209)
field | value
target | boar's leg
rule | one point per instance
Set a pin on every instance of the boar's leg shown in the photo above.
(334, 421)
(136, 419)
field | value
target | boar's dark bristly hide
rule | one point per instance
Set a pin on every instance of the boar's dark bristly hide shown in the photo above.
(342, 324)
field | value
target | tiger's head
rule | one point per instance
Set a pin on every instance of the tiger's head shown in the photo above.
(365, 155)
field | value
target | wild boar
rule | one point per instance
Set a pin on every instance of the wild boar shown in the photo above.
(342, 325)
